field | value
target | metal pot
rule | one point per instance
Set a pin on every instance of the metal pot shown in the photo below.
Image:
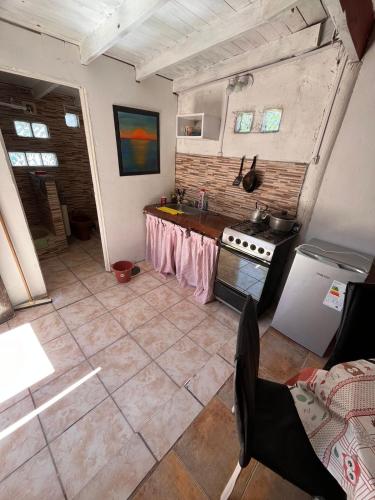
(259, 214)
(282, 222)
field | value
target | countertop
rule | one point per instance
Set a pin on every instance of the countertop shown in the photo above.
(209, 223)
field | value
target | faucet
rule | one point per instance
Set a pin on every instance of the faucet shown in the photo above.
(180, 195)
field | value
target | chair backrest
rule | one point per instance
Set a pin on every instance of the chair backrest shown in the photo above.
(246, 373)
(356, 333)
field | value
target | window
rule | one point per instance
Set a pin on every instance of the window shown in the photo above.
(244, 122)
(271, 120)
(18, 159)
(32, 159)
(23, 129)
(40, 130)
(34, 129)
(49, 159)
(72, 120)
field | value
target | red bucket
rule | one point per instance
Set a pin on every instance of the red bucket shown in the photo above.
(123, 270)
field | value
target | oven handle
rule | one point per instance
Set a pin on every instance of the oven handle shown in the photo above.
(244, 255)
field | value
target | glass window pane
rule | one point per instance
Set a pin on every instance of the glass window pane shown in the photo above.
(244, 122)
(18, 159)
(40, 130)
(34, 159)
(49, 159)
(271, 120)
(71, 120)
(23, 129)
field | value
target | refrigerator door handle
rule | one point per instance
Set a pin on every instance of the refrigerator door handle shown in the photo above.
(325, 258)
(316, 256)
(347, 267)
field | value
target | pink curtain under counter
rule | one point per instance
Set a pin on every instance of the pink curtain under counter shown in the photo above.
(190, 256)
(153, 244)
(160, 244)
(206, 270)
(167, 244)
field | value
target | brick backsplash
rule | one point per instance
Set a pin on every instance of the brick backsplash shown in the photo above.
(280, 183)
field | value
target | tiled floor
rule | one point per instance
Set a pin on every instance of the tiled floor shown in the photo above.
(155, 420)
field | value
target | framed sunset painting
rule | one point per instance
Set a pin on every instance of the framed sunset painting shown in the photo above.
(137, 136)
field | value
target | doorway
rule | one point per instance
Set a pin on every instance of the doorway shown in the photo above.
(44, 134)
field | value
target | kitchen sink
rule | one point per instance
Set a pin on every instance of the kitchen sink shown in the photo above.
(187, 209)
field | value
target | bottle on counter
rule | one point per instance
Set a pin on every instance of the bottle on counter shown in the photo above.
(203, 200)
(163, 200)
(173, 198)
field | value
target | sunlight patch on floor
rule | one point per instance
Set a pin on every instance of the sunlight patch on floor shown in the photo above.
(23, 361)
(22, 421)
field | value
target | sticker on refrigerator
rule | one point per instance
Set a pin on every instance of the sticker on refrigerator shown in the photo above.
(335, 296)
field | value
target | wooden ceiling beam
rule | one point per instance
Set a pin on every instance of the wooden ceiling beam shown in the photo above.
(259, 12)
(353, 21)
(41, 89)
(264, 55)
(126, 18)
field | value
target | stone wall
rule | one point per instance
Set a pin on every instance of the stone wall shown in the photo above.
(280, 183)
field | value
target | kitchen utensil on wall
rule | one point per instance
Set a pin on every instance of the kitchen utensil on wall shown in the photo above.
(282, 222)
(250, 179)
(238, 179)
(259, 214)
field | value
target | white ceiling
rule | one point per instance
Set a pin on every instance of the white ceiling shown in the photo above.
(170, 25)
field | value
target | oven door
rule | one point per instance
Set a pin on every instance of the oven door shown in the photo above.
(244, 275)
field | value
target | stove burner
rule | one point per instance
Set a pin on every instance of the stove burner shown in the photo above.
(256, 240)
(250, 228)
(261, 230)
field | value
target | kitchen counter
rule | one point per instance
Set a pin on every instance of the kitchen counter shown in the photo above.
(208, 223)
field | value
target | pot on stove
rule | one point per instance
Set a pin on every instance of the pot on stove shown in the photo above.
(259, 214)
(281, 221)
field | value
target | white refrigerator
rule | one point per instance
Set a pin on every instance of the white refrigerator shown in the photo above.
(310, 307)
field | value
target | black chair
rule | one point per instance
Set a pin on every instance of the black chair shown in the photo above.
(268, 424)
(355, 337)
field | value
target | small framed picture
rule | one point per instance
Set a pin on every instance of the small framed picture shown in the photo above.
(138, 141)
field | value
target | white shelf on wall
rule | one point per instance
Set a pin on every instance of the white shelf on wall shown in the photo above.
(197, 126)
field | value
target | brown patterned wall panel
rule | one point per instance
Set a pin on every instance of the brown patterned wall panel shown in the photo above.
(280, 183)
(73, 175)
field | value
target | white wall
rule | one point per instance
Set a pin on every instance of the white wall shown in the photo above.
(345, 209)
(15, 220)
(301, 87)
(106, 82)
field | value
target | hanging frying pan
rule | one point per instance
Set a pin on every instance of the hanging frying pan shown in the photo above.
(250, 180)
(238, 179)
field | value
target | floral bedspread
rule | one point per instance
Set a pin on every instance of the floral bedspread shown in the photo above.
(337, 410)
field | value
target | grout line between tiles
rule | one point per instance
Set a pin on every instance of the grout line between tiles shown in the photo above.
(23, 463)
(193, 478)
(105, 387)
(76, 421)
(194, 396)
(110, 394)
(147, 446)
(50, 452)
(75, 301)
(229, 362)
